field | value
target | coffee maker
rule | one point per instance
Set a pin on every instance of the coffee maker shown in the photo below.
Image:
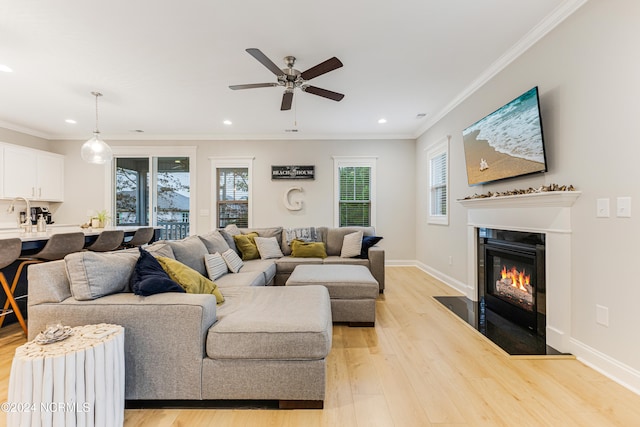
(37, 211)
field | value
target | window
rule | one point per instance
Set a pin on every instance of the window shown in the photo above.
(438, 157)
(233, 197)
(355, 191)
(154, 189)
(232, 184)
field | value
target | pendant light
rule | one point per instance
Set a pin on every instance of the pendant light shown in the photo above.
(95, 150)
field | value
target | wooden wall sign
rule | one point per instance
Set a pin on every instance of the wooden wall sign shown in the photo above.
(292, 172)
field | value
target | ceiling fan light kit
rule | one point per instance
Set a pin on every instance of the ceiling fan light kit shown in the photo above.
(290, 78)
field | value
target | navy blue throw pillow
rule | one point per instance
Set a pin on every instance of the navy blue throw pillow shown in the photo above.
(367, 242)
(149, 278)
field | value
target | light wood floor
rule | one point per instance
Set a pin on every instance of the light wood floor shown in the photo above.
(419, 366)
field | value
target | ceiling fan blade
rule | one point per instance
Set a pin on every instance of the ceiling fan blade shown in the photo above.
(287, 99)
(252, 86)
(323, 92)
(262, 58)
(322, 68)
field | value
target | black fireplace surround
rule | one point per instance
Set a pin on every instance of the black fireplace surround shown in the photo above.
(511, 276)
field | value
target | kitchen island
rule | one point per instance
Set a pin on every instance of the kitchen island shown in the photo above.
(34, 241)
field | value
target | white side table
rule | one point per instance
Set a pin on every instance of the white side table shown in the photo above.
(75, 382)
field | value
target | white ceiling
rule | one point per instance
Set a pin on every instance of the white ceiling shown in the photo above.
(164, 66)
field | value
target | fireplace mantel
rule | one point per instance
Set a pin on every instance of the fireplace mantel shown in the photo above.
(548, 198)
(548, 213)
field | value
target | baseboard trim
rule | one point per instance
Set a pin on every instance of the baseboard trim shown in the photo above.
(611, 368)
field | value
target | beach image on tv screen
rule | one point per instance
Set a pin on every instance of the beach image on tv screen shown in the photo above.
(506, 143)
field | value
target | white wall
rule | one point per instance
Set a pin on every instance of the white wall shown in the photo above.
(84, 183)
(587, 71)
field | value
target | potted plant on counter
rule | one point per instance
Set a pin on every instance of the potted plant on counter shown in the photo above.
(102, 218)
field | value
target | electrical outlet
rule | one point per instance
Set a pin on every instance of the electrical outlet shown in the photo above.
(602, 315)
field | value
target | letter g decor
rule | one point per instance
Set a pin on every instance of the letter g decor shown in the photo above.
(296, 205)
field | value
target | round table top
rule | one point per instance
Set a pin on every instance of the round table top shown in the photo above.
(78, 338)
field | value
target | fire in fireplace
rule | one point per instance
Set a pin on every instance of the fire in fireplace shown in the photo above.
(512, 271)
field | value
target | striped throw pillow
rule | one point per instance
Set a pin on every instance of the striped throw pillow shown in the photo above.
(268, 247)
(216, 266)
(233, 260)
(351, 245)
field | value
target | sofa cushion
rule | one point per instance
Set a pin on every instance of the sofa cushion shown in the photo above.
(214, 242)
(149, 278)
(267, 267)
(228, 232)
(268, 247)
(247, 246)
(287, 264)
(161, 248)
(234, 262)
(93, 275)
(192, 281)
(284, 323)
(191, 252)
(335, 237)
(242, 279)
(300, 249)
(367, 243)
(351, 245)
(216, 267)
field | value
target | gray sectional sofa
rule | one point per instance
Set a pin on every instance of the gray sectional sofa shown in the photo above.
(262, 343)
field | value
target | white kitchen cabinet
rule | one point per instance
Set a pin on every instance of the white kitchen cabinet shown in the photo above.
(34, 174)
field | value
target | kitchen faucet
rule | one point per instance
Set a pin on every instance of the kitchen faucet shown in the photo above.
(26, 225)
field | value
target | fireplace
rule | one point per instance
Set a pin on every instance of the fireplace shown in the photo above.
(511, 269)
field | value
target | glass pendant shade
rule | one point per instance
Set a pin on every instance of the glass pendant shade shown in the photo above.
(96, 151)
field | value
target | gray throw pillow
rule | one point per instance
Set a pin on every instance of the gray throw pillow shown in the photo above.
(93, 275)
(191, 252)
(214, 242)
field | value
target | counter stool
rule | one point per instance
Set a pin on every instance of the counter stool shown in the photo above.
(57, 247)
(9, 253)
(108, 240)
(142, 236)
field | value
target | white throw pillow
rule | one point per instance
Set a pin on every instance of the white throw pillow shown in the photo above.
(351, 245)
(233, 260)
(216, 265)
(268, 247)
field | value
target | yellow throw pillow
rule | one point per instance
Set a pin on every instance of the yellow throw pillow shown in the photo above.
(192, 281)
(247, 245)
(300, 249)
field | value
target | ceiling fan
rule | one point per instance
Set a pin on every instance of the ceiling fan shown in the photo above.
(291, 78)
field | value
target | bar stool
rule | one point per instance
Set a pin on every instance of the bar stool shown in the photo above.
(142, 236)
(108, 240)
(57, 247)
(9, 253)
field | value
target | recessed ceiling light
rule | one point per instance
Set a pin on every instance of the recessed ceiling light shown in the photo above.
(382, 121)
(421, 115)
(5, 69)
(291, 130)
(228, 122)
(71, 121)
(136, 131)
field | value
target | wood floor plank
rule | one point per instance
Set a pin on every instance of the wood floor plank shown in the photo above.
(420, 365)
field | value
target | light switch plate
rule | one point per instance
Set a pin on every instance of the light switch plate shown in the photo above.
(623, 207)
(602, 208)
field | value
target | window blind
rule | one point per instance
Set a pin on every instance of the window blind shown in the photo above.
(439, 184)
(355, 196)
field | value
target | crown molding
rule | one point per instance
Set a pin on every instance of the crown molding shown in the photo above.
(557, 16)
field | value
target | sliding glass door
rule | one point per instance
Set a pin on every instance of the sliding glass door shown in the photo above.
(154, 191)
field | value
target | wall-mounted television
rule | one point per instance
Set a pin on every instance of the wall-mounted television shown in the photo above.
(506, 143)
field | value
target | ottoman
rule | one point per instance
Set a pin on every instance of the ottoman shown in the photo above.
(352, 290)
